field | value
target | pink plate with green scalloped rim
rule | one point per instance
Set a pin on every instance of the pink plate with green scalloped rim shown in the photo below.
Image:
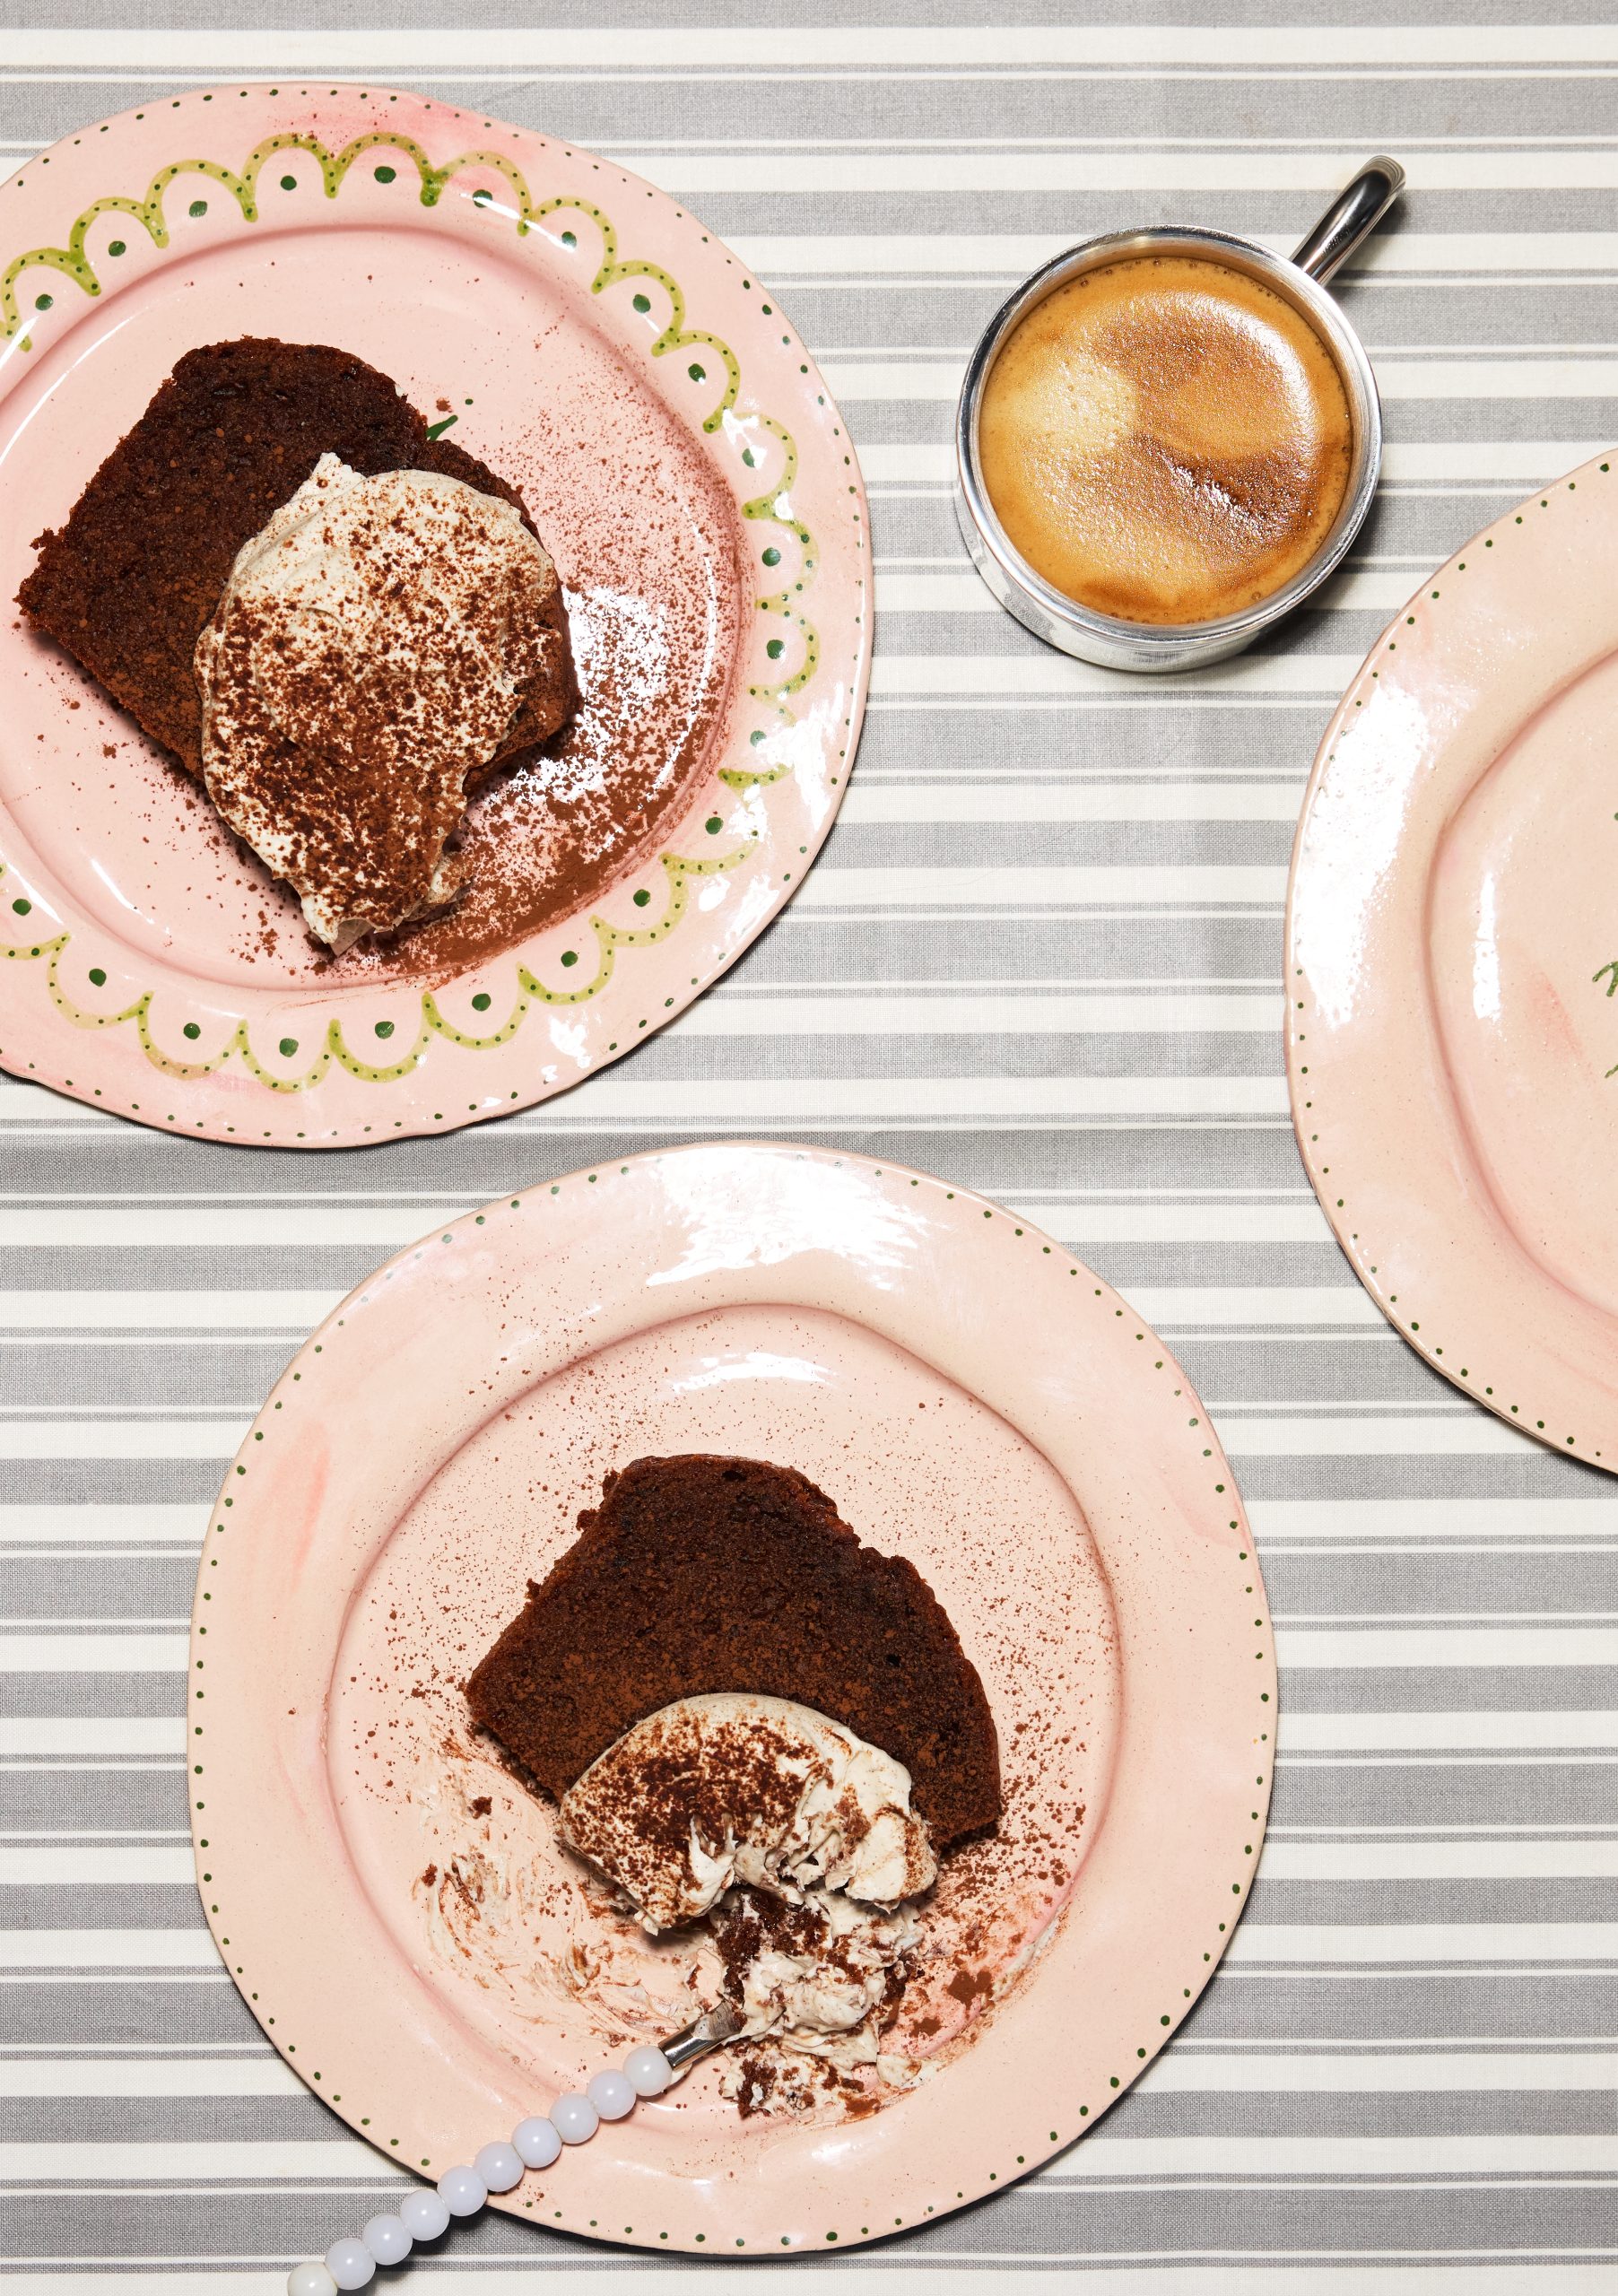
(392, 1900)
(1453, 1032)
(685, 463)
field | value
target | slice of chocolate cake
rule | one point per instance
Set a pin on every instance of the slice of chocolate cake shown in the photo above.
(126, 586)
(339, 624)
(699, 1574)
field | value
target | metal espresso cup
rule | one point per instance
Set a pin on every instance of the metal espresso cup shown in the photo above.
(1301, 279)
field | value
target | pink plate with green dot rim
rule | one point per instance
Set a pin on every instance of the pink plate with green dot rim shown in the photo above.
(589, 340)
(391, 1898)
(1452, 1034)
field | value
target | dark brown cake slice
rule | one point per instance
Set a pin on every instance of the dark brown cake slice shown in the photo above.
(698, 1574)
(126, 585)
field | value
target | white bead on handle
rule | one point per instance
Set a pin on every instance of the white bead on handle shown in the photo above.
(536, 2144)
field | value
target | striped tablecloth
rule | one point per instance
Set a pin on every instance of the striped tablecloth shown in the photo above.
(1040, 955)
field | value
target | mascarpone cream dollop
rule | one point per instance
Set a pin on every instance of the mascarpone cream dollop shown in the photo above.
(740, 1788)
(736, 1787)
(370, 655)
(814, 1976)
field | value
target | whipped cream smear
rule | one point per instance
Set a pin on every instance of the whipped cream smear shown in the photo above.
(369, 656)
(739, 1788)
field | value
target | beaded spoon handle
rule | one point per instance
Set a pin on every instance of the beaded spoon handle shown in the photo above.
(534, 2143)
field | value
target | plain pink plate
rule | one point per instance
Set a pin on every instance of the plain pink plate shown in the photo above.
(682, 457)
(391, 1901)
(1453, 937)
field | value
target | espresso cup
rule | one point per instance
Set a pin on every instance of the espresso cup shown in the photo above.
(1299, 279)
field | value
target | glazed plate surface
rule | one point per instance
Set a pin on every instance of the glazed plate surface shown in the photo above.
(1453, 939)
(393, 1901)
(587, 340)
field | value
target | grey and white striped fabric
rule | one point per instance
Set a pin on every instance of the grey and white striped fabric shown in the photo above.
(1040, 955)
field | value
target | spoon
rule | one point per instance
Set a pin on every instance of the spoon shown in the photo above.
(535, 2142)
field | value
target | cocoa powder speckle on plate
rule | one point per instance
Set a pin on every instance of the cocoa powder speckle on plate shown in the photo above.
(543, 1963)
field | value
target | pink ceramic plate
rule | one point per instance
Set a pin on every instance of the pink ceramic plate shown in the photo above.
(682, 460)
(393, 1903)
(1453, 1037)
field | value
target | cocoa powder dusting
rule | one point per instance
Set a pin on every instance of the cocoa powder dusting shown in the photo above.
(375, 646)
(569, 1964)
(648, 555)
(667, 1794)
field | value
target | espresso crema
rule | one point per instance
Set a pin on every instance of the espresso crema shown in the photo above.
(1166, 439)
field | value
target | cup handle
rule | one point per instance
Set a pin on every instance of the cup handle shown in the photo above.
(1354, 213)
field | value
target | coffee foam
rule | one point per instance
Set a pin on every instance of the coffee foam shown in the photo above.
(1166, 439)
